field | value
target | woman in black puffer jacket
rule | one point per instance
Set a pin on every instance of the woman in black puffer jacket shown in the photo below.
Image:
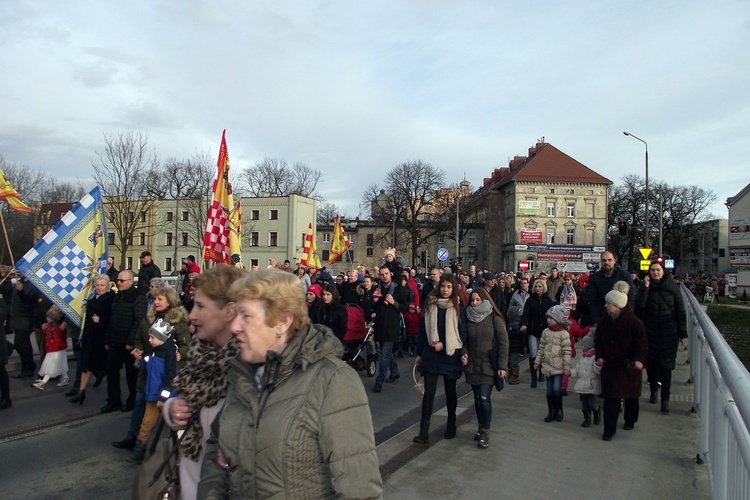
(331, 313)
(659, 305)
(534, 321)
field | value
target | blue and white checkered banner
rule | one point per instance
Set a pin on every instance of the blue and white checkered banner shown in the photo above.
(63, 262)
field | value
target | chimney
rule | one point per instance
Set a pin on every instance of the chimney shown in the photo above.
(517, 160)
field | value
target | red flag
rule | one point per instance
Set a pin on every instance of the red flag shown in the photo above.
(339, 242)
(309, 252)
(216, 238)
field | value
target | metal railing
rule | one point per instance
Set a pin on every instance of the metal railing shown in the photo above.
(722, 399)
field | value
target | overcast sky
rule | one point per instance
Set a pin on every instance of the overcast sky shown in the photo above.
(354, 88)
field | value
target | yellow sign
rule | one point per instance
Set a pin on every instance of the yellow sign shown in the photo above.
(645, 252)
(645, 263)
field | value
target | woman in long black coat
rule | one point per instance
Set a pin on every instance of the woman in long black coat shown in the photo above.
(331, 313)
(621, 348)
(659, 305)
(534, 321)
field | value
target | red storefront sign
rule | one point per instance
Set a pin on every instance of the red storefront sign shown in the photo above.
(532, 236)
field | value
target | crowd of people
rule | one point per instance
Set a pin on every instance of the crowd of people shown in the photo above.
(232, 351)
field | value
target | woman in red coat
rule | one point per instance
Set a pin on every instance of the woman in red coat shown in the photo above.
(621, 348)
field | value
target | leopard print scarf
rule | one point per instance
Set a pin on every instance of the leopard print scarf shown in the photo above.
(202, 382)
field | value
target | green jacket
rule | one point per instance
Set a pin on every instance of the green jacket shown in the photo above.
(307, 433)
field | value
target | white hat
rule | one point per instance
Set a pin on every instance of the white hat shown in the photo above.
(161, 330)
(618, 296)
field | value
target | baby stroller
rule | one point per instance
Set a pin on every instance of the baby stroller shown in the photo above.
(359, 344)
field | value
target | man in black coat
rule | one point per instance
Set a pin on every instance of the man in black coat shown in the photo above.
(21, 321)
(602, 281)
(147, 272)
(430, 284)
(128, 309)
(496, 294)
(392, 303)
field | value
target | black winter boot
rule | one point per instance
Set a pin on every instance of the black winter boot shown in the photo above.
(450, 428)
(79, 398)
(550, 409)
(665, 405)
(652, 398)
(424, 432)
(138, 453)
(598, 416)
(586, 418)
(559, 408)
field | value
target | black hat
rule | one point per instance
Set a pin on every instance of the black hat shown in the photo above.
(488, 276)
(145, 253)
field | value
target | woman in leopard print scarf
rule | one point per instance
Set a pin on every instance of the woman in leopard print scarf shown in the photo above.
(201, 384)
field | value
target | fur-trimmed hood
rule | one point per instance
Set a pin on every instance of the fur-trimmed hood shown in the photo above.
(173, 315)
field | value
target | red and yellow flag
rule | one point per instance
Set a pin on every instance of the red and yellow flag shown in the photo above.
(309, 251)
(339, 242)
(11, 196)
(218, 245)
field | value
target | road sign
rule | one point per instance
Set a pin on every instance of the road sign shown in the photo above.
(645, 264)
(523, 265)
(645, 252)
(443, 254)
(669, 264)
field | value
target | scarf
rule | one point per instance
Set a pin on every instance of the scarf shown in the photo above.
(478, 313)
(202, 382)
(452, 339)
(568, 297)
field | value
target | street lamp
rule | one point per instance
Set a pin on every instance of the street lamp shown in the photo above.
(646, 231)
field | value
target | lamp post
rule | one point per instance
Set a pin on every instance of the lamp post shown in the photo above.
(646, 230)
(394, 227)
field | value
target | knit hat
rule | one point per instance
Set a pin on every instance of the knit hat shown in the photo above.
(54, 314)
(588, 340)
(557, 313)
(390, 251)
(315, 290)
(618, 296)
(160, 330)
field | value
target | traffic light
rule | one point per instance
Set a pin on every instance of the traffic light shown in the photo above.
(660, 260)
(623, 228)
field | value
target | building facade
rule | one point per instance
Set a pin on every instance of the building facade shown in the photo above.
(709, 249)
(739, 241)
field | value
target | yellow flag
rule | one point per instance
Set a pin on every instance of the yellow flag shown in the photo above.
(339, 242)
(11, 196)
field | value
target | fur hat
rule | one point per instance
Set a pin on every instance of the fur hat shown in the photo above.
(557, 313)
(390, 251)
(161, 330)
(618, 296)
(315, 290)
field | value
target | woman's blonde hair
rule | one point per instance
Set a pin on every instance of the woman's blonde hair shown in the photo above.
(101, 277)
(215, 283)
(544, 285)
(168, 293)
(280, 293)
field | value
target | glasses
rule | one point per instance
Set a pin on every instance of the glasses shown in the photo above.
(123, 281)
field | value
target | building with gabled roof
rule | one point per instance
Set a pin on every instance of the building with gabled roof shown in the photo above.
(546, 209)
(739, 240)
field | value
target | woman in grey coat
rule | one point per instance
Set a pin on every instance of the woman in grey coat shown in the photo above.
(486, 336)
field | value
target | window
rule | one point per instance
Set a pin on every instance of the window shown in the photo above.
(326, 237)
(370, 239)
(168, 264)
(369, 252)
(255, 215)
(571, 209)
(274, 215)
(325, 254)
(550, 209)
(570, 236)
(253, 262)
(590, 237)
(441, 239)
(131, 216)
(472, 239)
(185, 216)
(550, 237)
(168, 240)
(130, 240)
(141, 239)
(143, 216)
(254, 237)
(273, 239)
(351, 239)
(129, 263)
(184, 239)
(111, 238)
(170, 216)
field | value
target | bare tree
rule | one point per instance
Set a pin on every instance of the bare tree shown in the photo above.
(29, 183)
(327, 212)
(275, 177)
(408, 189)
(124, 172)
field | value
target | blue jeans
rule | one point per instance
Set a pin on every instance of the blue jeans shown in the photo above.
(533, 346)
(386, 362)
(483, 404)
(139, 408)
(553, 385)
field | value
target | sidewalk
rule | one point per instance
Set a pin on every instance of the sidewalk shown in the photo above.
(529, 458)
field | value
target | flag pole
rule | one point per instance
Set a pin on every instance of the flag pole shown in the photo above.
(7, 244)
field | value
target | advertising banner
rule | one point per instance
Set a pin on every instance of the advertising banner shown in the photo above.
(559, 256)
(529, 207)
(532, 236)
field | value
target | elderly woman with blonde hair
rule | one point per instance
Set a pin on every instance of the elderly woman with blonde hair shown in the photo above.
(296, 420)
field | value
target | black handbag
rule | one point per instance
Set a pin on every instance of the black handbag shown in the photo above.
(499, 381)
(158, 476)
